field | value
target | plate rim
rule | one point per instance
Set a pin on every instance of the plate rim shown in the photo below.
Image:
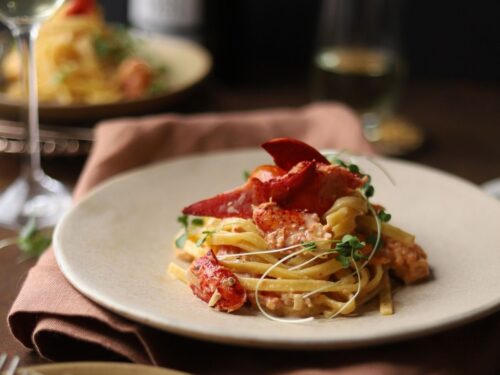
(101, 365)
(418, 330)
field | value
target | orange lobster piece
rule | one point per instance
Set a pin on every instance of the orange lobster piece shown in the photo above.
(215, 284)
(302, 179)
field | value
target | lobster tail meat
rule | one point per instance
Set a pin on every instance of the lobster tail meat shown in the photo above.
(240, 201)
(330, 182)
(287, 152)
(303, 180)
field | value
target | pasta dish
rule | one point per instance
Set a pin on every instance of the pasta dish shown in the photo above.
(81, 59)
(300, 239)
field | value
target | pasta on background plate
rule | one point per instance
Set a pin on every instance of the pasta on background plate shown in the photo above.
(81, 59)
(300, 239)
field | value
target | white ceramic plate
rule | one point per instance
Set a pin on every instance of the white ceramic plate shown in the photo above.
(115, 246)
(187, 65)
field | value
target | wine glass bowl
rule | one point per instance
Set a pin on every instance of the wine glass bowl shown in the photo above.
(33, 194)
(358, 62)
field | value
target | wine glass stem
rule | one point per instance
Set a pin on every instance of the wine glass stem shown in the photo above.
(25, 37)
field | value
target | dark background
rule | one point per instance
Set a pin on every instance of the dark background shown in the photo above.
(255, 41)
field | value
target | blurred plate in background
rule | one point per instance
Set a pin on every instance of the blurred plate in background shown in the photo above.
(187, 62)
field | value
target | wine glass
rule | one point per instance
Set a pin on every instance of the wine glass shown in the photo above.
(358, 62)
(33, 194)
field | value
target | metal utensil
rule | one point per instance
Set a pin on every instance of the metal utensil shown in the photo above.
(9, 369)
(54, 140)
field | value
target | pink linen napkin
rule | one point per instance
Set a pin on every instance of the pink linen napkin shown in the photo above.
(51, 317)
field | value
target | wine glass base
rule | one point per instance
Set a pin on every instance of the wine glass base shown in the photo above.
(45, 200)
(396, 136)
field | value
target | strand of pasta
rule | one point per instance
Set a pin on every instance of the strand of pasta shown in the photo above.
(261, 280)
(385, 296)
(341, 217)
(317, 271)
(369, 222)
(353, 298)
(375, 280)
(260, 268)
(300, 265)
(293, 285)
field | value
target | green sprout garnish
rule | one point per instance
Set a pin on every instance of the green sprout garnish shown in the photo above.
(197, 221)
(181, 240)
(337, 161)
(348, 248)
(309, 246)
(384, 216)
(246, 175)
(31, 241)
(184, 221)
(202, 240)
(368, 190)
(115, 45)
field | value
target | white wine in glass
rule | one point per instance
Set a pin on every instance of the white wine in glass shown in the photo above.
(358, 62)
(367, 79)
(33, 194)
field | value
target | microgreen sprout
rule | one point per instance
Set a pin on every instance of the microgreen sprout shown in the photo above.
(367, 189)
(262, 278)
(184, 221)
(114, 45)
(339, 162)
(197, 221)
(384, 216)
(309, 246)
(372, 240)
(31, 241)
(246, 175)
(206, 234)
(349, 248)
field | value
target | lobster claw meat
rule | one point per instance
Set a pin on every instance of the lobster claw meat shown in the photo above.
(215, 284)
(304, 181)
(287, 152)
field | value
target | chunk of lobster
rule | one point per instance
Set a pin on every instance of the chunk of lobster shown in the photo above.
(303, 179)
(409, 263)
(80, 7)
(239, 202)
(308, 186)
(134, 76)
(287, 152)
(215, 284)
(283, 228)
(329, 183)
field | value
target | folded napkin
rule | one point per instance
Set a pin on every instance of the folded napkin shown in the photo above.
(51, 317)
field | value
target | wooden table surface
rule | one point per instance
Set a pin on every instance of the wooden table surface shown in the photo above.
(460, 119)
